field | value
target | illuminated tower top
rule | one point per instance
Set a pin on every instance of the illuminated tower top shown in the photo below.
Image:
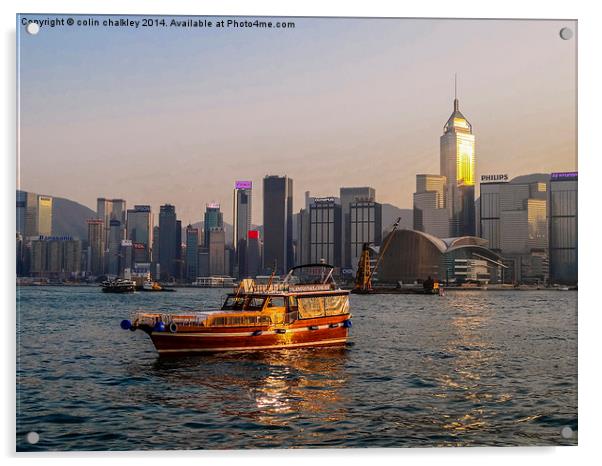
(457, 122)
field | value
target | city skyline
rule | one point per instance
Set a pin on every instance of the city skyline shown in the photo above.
(355, 92)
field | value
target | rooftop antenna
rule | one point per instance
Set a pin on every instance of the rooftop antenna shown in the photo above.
(456, 103)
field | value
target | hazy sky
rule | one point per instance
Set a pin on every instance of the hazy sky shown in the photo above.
(168, 115)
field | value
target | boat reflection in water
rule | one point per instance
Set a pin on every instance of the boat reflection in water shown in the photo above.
(277, 389)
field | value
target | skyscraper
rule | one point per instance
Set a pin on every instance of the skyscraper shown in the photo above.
(192, 253)
(430, 213)
(179, 271)
(140, 231)
(217, 252)
(114, 247)
(242, 221)
(458, 158)
(34, 214)
(365, 219)
(278, 223)
(55, 257)
(513, 218)
(107, 210)
(214, 218)
(96, 246)
(126, 258)
(302, 244)
(253, 254)
(563, 228)
(44, 215)
(325, 225)
(167, 242)
(21, 199)
(155, 257)
(349, 195)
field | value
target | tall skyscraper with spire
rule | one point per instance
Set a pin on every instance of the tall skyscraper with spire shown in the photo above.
(458, 157)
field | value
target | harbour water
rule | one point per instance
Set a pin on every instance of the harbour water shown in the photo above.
(472, 368)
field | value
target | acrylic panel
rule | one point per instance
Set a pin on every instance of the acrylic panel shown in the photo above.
(300, 232)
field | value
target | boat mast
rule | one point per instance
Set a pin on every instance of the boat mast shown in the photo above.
(272, 276)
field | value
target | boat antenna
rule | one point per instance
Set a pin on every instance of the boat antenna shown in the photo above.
(272, 276)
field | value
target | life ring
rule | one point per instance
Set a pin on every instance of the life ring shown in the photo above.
(173, 328)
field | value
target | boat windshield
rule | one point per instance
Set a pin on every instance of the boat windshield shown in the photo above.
(310, 274)
(243, 303)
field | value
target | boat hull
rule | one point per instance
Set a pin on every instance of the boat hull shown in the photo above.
(310, 334)
(118, 290)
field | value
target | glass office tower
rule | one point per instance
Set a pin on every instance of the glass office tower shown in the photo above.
(278, 223)
(563, 228)
(458, 158)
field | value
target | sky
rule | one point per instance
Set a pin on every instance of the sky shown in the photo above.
(159, 115)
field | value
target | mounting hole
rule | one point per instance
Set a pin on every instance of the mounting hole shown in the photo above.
(33, 28)
(566, 432)
(32, 437)
(566, 33)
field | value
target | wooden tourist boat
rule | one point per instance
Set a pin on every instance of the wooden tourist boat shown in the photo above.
(307, 309)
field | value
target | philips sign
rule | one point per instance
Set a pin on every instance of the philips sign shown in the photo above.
(501, 178)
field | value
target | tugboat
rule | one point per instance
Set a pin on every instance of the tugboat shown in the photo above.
(307, 309)
(118, 285)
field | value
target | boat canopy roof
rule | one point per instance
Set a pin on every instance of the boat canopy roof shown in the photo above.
(310, 274)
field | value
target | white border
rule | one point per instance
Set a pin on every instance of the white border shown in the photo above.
(590, 108)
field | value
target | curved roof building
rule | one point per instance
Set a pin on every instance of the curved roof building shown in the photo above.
(412, 256)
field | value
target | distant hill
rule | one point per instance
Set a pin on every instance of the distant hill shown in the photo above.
(391, 213)
(69, 218)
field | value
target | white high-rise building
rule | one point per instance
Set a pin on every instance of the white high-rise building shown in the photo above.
(514, 220)
(430, 213)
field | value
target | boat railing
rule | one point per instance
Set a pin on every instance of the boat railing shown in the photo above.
(151, 318)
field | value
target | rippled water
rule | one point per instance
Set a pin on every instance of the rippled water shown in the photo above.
(471, 368)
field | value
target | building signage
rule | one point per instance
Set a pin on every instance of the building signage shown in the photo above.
(564, 176)
(318, 200)
(501, 178)
(213, 205)
(126, 242)
(139, 246)
(54, 238)
(142, 208)
(244, 184)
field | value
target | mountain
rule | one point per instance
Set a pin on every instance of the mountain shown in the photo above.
(391, 213)
(69, 218)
